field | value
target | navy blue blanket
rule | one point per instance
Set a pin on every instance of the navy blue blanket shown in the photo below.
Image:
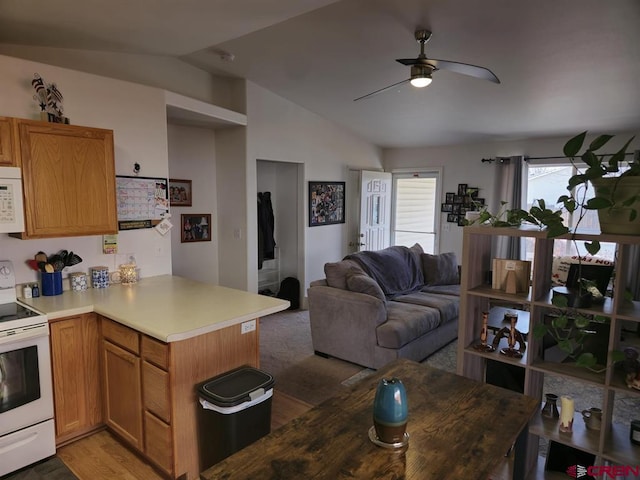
(395, 269)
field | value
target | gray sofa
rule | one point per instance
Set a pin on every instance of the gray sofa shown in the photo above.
(375, 307)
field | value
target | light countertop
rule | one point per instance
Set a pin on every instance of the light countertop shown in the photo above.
(166, 307)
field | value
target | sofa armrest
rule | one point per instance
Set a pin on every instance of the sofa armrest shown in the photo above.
(343, 323)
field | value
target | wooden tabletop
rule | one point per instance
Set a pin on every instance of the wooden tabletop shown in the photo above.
(458, 428)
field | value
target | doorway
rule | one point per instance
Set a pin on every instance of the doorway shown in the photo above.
(282, 183)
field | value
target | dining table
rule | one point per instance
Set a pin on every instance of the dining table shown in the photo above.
(457, 428)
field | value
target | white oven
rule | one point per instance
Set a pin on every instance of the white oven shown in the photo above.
(11, 209)
(27, 432)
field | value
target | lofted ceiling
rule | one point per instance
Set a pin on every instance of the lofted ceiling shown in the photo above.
(564, 66)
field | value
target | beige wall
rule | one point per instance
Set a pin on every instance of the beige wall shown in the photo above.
(137, 116)
(282, 131)
(192, 156)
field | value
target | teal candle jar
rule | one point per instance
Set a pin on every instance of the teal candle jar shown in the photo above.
(390, 411)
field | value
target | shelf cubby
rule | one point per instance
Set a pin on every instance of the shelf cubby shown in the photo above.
(611, 444)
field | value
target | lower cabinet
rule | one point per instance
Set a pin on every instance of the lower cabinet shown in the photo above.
(137, 394)
(77, 392)
(123, 404)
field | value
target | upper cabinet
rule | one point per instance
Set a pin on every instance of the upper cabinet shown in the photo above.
(7, 157)
(68, 176)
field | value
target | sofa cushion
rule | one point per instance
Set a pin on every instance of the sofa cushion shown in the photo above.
(440, 269)
(406, 322)
(361, 283)
(336, 273)
(447, 305)
(453, 290)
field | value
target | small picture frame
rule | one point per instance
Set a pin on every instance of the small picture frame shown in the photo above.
(327, 203)
(180, 194)
(452, 218)
(449, 196)
(446, 208)
(195, 227)
(473, 192)
(462, 189)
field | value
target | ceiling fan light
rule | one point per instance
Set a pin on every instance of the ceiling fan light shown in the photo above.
(420, 75)
(421, 82)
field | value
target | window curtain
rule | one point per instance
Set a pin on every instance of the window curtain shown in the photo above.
(509, 188)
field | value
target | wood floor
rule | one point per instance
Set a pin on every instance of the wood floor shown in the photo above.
(101, 456)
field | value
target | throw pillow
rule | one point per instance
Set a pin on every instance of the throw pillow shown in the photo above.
(336, 272)
(361, 283)
(440, 269)
(416, 251)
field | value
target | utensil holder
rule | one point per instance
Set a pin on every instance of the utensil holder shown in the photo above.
(51, 283)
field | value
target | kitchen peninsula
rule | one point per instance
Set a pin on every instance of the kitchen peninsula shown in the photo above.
(144, 347)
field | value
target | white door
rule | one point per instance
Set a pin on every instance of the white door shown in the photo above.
(375, 211)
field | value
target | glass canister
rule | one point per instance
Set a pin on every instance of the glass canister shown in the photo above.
(99, 277)
(128, 274)
(78, 281)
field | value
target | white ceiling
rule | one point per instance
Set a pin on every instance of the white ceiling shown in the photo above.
(565, 65)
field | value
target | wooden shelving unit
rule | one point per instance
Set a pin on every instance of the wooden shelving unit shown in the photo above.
(610, 445)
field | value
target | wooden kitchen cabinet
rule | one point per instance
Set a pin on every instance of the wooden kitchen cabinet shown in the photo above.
(77, 391)
(7, 150)
(68, 177)
(149, 388)
(122, 391)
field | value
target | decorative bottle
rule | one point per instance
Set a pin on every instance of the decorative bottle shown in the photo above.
(550, 409)
(390, 411)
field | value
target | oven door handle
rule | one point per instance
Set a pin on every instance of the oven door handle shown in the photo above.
(24, 333)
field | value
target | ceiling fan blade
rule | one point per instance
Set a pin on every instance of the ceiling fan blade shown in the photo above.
(382, 90)
(408, 61)
(465, 69)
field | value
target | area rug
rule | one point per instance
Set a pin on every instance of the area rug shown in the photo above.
(286, 351)
(50, 469)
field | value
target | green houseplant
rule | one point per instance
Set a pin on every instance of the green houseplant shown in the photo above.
(616, 181)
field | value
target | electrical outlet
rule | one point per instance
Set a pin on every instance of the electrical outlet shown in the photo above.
(247, 327)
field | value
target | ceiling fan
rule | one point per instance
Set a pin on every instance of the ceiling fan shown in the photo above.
(422, 68)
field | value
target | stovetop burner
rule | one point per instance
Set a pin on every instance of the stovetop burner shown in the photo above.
(15, 311)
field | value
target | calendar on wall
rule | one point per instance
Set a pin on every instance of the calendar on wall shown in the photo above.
(142, 201)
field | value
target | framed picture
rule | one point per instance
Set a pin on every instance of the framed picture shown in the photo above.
(449, 197)
(473, 192)
(462, 189)
(452, 218)
(326, 203)
(179, 193)
(446, 207)
(195, 227)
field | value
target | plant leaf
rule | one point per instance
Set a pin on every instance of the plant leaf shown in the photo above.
(559, 322)
(576, 180)
(573, 146)
(616, 355)
(566, 346)
(556, 230)
(633, 214)
(586, 360)
(581, 321)
(592, 247)
(600, 142)
(540, 331)
(598, 203)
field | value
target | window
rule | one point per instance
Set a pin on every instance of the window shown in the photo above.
(548, 181)
(415, 199)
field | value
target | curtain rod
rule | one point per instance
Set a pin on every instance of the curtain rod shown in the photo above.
(506, 159)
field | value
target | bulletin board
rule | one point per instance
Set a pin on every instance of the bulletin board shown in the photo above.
(142, 201)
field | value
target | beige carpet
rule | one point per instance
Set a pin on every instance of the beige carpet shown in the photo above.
(286, 353)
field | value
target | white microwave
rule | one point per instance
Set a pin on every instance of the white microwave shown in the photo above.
(11, 208)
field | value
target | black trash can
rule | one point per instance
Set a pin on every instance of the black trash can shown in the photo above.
(235, 412)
